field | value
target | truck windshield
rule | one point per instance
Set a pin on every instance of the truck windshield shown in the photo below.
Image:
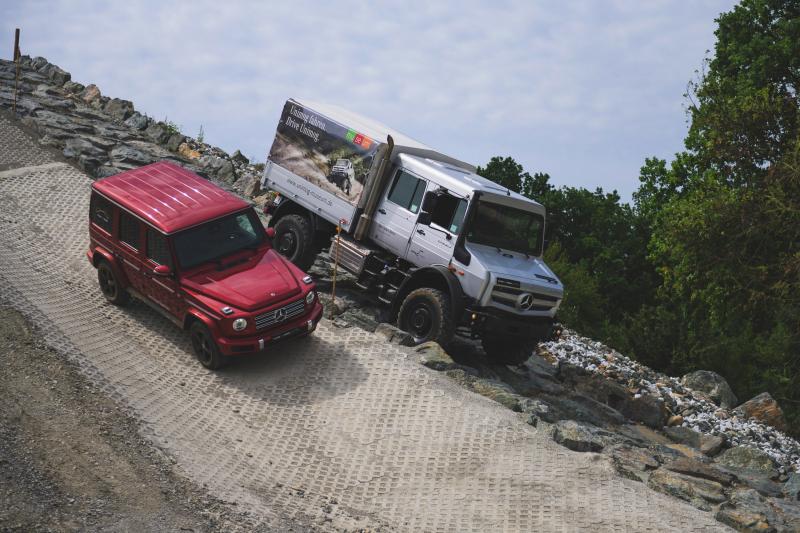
(218, 238)
(506, 227)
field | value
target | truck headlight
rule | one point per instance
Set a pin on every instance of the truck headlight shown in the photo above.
(239, 324)
(310, 297)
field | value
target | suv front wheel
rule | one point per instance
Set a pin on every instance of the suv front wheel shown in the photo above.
(204, 346)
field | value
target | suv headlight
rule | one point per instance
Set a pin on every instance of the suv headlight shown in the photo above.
(239, 324)
(310, 297)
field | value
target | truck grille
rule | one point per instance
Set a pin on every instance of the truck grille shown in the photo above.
(506, 291)
(280, 315)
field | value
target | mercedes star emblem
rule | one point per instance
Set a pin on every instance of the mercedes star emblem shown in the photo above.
(280, 315)
(525, 301)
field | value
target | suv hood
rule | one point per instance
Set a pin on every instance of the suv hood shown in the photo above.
(515, 265)
(257, 282)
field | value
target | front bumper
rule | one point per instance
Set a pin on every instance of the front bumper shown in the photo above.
(484, 321)
(301, 325)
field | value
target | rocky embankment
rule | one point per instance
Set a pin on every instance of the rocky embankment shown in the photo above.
(688, 438)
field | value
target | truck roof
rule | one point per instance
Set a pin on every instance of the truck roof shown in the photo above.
(379, 132)
(168, 196)
(461, 181)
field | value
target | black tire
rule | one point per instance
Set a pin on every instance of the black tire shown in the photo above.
(204, 346)
(425, 314)
(295, 240)
(110, 286)
(508, 351)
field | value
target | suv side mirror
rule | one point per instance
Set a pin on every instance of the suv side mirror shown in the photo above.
(424, 218)
(429, 201)
(162, 270)
(270, 233)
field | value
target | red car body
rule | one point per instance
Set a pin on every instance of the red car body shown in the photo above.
(200, 256)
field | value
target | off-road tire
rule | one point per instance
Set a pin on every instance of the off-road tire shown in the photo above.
(426, 315)
(205, 347)
(295, 240)
(508, 351)
(110, 285)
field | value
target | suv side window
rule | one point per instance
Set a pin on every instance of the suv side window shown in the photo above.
(157, 248)
(129, 230)
(407, 191)
(101, 212)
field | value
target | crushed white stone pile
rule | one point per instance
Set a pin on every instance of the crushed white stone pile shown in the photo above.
(698, 413)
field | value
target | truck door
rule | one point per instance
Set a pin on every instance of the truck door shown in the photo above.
(433, 243)
(396, 215)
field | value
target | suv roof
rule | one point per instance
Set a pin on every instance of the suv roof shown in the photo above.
(168, 196)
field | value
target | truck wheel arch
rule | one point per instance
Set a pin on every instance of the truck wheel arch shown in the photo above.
(435, 277)
(288, 207)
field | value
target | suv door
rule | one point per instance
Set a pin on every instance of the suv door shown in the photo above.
(396, 215)
(130, 237)
(163, 290)
(433, 243)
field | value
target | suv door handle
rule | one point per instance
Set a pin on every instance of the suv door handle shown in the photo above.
(382, 211)
(420, 232)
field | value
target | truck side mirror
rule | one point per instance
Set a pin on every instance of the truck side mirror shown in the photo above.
(270, 233)
(424, 218)
(162, 270)
(429, 201)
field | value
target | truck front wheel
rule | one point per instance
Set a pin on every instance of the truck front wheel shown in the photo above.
(508, 351)
(295, 240)
(425, 314)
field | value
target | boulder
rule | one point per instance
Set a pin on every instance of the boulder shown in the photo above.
(763, 408)
(239, 159)
(219, 167)
(127, 154)
(581, 437)
(632, 463)
(747, 458)
(90, 93)
(73, 87)
(75, 147)
(433, 356)
(713, 385)
(647, 409)
(749, 511)
(175, 140)
(695, 468)
(158, 132)
(119, 109)
(497, 391)
(58, 75)
(186, 151)
(791, 489)
(697, 491)
(137, 121)
(394, 335)
(675, 420)
(708, 444)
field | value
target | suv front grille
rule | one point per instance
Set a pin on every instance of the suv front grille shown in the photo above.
(280, 315)
(505, 293)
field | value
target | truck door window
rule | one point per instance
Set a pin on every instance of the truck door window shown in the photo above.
(157, 249)
(407, 191)
(449, 213)
(129, 230)
(102, 212)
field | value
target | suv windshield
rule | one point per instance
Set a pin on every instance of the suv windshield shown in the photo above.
(506, 227)
(218, 238)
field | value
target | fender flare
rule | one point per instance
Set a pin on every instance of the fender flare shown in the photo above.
(100, 253)
(290, 207)
(423, 277)
(193, 313)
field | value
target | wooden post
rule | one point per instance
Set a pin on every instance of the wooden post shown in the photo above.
(16, 68)
(335, 265)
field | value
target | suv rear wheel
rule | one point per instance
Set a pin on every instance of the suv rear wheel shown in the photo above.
(425, 314)
(295, 240)
(205, 348)
(110, 286)
(508, 351)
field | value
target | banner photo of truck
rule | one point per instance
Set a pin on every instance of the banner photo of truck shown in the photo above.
(327, 154)
(448, 251)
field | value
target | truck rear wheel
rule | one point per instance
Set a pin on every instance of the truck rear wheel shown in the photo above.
(295, 240)
(425, 314)
(508, 351)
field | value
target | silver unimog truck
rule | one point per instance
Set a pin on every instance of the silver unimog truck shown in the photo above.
(446, 249)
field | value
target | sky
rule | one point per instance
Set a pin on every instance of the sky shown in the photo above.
(584, 90)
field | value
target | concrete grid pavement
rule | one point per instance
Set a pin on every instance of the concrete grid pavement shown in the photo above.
(339, 430)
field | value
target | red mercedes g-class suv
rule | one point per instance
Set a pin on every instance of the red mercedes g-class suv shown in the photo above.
(200, 256)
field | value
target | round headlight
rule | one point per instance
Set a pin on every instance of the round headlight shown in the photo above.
(239, 324)
(310, 298)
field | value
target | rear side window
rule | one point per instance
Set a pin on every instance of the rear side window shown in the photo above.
(157, 248)
(407, 191)
(101, 212)
(129, 230)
